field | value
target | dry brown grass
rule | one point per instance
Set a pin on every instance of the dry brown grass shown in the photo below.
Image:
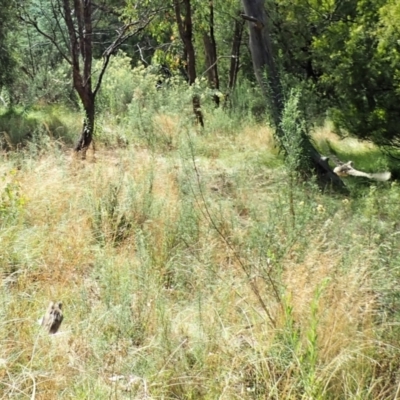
(256, 137)
(168, 125)
(346, 301)
(172, 307)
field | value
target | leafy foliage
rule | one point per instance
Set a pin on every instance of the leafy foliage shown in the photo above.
(346, 52)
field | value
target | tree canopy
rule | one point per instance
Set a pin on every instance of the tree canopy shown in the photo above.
(344, 55)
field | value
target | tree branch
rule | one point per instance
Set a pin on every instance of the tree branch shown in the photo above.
(56, 14)
(257, 22)
(72, 36)
(122, 37)
(51, 39)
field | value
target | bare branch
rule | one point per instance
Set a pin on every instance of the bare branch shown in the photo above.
(56, 13)
(212, 65)
(257, 22)
(52, 40)
(122, 37)
(141, 55)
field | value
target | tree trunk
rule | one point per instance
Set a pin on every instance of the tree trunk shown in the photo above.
(262, 56)
(210, 48)
(211, 65)
(86, 136)
(79, 24)
(235, 53)
(186, 33)
(268, 78)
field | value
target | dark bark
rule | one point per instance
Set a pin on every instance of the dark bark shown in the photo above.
(185, 27)
(210, 48)
(80, 48)
(235, 53)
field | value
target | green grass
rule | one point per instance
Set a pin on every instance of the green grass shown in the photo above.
(191, 267)
(21, 127)
(365, 155)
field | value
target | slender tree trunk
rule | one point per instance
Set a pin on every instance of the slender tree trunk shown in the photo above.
(211, 55)
(235, 53)
(186, 33)
(185, 27)
(79, 24)
(86, 136)
(262, 56)
(211, 65)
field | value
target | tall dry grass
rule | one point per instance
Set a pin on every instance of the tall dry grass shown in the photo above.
(187, 274)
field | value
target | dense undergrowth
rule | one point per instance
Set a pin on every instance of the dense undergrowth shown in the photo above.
(190, 266)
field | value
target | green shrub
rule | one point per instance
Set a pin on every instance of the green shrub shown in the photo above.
(49, 84)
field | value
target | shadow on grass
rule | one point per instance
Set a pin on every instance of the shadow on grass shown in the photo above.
(18, 126)
(366, 157)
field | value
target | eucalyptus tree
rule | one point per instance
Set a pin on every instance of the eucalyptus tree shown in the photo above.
(269, 78)
(210, 48)
(235, 50)
(184, 20)
(73, 27)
